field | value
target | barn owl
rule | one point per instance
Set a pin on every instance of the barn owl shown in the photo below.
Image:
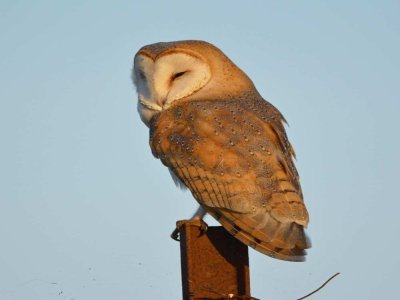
(224, 142)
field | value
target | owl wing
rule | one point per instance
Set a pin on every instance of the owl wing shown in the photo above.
(236, 160)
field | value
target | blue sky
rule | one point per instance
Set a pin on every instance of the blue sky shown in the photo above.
(86, 211)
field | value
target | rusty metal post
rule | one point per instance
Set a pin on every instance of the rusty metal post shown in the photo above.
(214, 264)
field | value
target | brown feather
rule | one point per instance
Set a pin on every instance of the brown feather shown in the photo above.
(235, 158)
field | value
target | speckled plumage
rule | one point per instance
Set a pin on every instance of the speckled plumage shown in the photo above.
(233, 154)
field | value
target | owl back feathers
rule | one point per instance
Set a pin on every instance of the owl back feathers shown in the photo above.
(235, 158)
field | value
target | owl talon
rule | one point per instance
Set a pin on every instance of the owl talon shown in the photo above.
(175, 235)
(203, 227)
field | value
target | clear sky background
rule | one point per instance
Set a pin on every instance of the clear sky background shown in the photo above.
(86, 211)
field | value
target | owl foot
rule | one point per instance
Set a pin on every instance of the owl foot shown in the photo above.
(192, 222)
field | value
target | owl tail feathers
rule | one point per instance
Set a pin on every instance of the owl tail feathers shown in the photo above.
(285, 241)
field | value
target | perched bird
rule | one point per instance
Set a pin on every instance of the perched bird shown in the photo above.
(224, 142)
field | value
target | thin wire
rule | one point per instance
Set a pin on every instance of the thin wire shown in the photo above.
(325, 283)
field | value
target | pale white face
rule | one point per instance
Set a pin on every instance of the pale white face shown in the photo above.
(167, 79)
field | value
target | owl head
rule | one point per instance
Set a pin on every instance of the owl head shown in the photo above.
(165, 73)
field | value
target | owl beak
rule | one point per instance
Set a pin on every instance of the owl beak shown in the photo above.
(151, 105)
